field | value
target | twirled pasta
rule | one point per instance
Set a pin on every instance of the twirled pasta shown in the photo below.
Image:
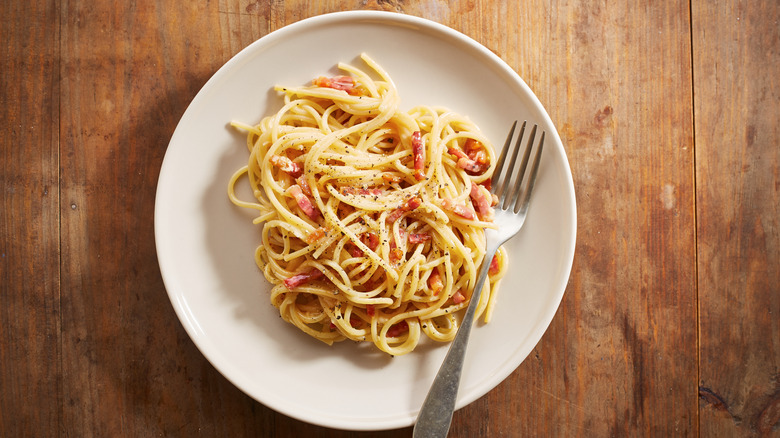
(372, 218)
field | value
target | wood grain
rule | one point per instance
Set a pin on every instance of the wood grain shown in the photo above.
(737, 102)
(619, 358)
(129, 69)
(29, 223)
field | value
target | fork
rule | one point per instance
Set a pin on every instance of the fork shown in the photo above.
(510, 212)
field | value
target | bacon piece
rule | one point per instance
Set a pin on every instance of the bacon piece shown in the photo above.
(370, 310)
(458, 209)
(370, 239)
(395, 214)
(466, 163)
(475, 151)
(482, 201)
(316, 235)
(471, 146)
(493, 269)
(345, 83)
(389, 177)
(459, 154)
(353, 250)
(458, 297)
(398, 329)
(413, 203)
(303, 201)
(301, 180)
(480, 156)
(470, 165)
(409, 205)
(435, 283)
(418, 150)
(415, 238)
(488, 185)
(302, 278)
(287, 165)
(396, 253)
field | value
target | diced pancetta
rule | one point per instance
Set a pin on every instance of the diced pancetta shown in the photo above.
(301, 181)
(303, 201)
(467, 163)
(415, 238)
(482, 200)
(418, 151)
(370, 239)
(316, 235)
(493, 269)
(398, 329)
(346, 83)
(389, 177)
(302, 278)
(458, 297)
(287, 165)
(409, 205)
(435, 283)
(458, 209)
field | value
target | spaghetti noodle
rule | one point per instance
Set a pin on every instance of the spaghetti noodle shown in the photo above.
(372, 218)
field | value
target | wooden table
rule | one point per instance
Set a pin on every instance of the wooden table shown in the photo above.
(668, 111)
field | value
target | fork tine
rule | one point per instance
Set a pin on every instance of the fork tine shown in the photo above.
(508, 170)
(511, 199)
(522, 208)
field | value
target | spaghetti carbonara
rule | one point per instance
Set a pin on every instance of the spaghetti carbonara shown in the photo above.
(372, 218)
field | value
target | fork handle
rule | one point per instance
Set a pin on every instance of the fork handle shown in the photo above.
(437, 409)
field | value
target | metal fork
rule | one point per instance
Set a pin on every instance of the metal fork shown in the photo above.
(510, 212)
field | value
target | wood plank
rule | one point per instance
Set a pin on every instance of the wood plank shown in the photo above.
(620, 357)
(129, 70)
(737, 102)
(29, 222)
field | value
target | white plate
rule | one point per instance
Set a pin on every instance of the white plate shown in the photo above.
(205, 244)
